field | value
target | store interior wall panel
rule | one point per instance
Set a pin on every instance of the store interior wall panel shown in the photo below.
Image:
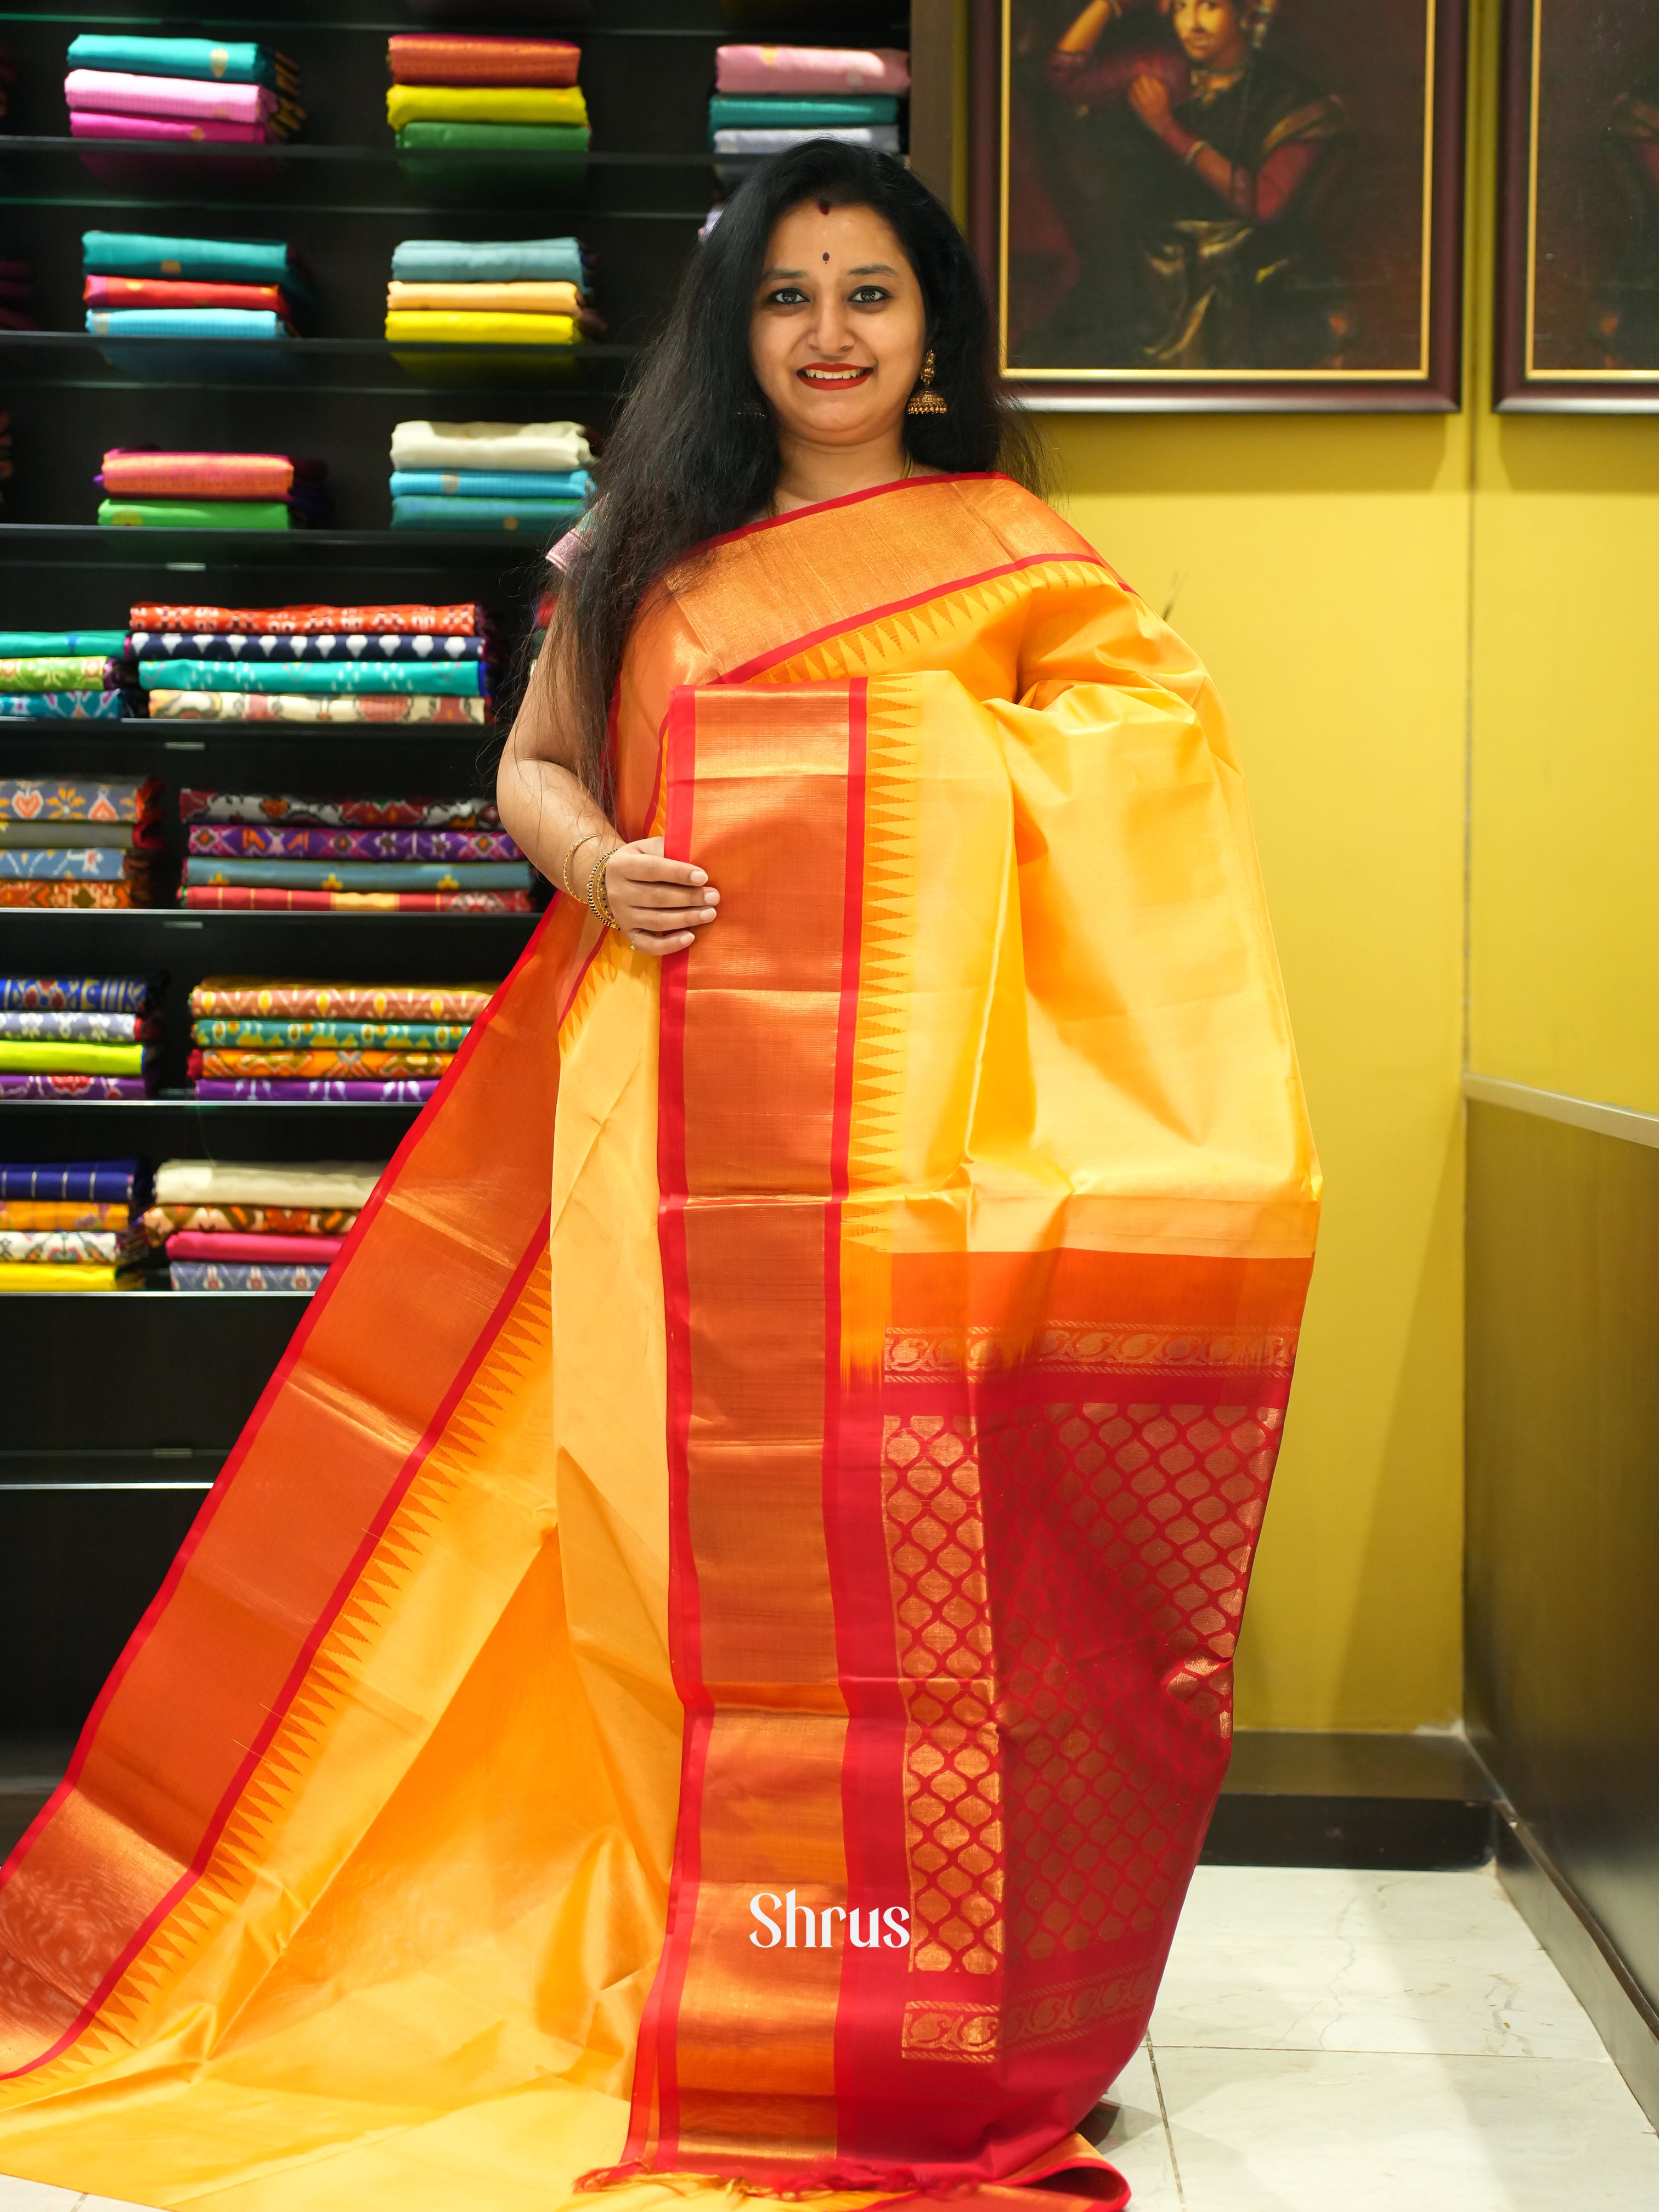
(1563, 1503)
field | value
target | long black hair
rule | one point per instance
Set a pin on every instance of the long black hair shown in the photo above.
(694, 451)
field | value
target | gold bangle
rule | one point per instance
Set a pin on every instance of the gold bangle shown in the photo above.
(599, 896)
(564, 872)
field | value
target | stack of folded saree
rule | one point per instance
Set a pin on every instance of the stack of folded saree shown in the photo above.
(767, 98)
(360, 1043)
(75, 842)
(489, 475)
(76, 1036)
(469, 95)
(314, 664)
(53, 675)
(510, 292)
(17, 297)
(142, 489)
(273, 852)
(147, 285)
(167, 90)
(71, 1225)
(232, 1225)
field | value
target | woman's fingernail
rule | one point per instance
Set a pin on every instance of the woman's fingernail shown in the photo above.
(698, 877)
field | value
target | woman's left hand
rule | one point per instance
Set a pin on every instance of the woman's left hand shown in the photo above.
(660, 905)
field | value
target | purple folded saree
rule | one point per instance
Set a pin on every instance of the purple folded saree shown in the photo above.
(409, 1092)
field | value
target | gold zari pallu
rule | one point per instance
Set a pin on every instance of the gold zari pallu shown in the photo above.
(782, 1447)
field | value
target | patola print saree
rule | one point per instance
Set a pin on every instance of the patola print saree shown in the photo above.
(711, 1658)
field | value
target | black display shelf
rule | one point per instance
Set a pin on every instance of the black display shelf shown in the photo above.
(89, 543)
(134, 1398)
(305, 152)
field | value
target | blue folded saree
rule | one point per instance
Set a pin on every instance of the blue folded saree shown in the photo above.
(779, 112)
(255, 323)
(208, 59)
(484, 514)
(362, 875)
(490, 483)
(263, 650)
(81, 863)
(509, 261)
(462, 678)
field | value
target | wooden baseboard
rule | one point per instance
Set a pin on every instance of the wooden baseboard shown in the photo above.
(1592, 1969)
(1309, 1797)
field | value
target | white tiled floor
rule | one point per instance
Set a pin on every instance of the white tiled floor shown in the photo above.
(1330, 2042)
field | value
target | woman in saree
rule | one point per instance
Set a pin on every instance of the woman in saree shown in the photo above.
(708, 1668)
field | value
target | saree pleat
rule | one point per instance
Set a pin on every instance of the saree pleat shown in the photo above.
(807, 1482)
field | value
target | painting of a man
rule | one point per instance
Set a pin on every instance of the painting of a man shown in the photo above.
(1204, 187)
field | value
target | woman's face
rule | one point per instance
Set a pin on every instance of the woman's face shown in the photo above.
(838, 326)
(1210, 31)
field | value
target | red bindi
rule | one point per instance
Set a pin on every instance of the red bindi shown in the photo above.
(823, 207)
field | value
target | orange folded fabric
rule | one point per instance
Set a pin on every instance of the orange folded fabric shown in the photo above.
(210, 476)
(420, 60)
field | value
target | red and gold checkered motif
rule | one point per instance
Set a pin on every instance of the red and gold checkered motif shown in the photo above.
(1032, 1806)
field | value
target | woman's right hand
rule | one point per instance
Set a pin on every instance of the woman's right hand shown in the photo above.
(660, 905)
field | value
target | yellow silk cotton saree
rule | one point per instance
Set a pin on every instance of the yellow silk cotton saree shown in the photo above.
(711, 1658)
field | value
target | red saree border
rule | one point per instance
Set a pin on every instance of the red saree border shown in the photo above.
(854, 499)
(774, 656)
(653, 2114)
(307, 1324)
(277, 1712)
(275, 1709)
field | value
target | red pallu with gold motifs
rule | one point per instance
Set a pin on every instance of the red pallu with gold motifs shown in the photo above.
(957, 1586)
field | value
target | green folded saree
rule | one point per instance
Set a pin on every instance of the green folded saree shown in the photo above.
(193, 514)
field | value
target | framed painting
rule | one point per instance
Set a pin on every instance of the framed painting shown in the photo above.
(1578, 212)
(1222, 204)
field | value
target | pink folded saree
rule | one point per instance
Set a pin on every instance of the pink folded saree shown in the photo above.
(252, 1244)
(88, 123)
(812, 68)
(118, 92)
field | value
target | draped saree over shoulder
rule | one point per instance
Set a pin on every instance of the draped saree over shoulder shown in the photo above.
(711, 1657)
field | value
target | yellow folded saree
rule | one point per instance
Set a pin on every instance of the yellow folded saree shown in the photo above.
(54, 1056)
(436, 326)
(484, 103)
(710, 1664)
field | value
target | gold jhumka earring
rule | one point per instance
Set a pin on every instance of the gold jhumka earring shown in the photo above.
(924, 400)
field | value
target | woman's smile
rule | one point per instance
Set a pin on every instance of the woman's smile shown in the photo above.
(838, 376)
